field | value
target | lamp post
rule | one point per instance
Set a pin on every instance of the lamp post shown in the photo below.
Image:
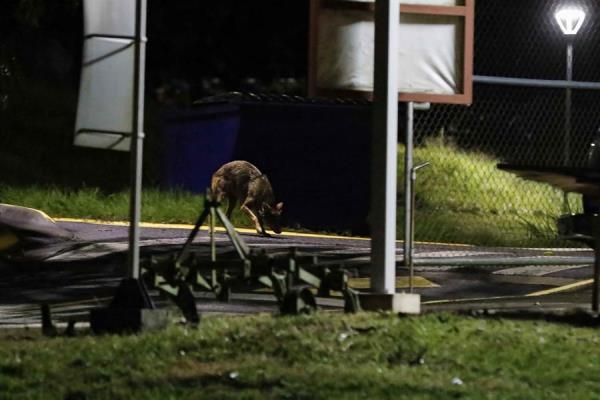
(569, 20)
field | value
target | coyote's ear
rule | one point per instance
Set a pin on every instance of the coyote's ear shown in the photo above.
(279, 206)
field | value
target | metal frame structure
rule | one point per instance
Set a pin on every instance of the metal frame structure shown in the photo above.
(290, 275)
(467, 12)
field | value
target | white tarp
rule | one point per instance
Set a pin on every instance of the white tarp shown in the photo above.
(104, 111)
(430, 51)
(109, 17)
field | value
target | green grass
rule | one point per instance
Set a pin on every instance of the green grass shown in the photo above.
(324, 356)
(164, 206)
(461, 198)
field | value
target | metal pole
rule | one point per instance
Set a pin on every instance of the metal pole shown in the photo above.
(213, 247)
(596, 284)
(408, 187)
(409, 259)
(539, 83)
(384, 148)
(567, 137)
(137, 140)
(567, 140)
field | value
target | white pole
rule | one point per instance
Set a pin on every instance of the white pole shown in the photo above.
(567, 139)
(137, 140)
(408, 187)
(384, 148)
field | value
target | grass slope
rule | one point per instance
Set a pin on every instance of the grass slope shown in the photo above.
(463, 198)
(324, 356)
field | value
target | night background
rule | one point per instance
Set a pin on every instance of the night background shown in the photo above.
(192, 42)
(198, 49)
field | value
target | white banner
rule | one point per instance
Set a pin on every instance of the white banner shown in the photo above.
(430, 52)
(105, 107)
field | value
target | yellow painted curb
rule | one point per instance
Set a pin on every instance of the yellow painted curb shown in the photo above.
(563, 288)
(539, 293)
(365, 283)
(242, 230)
(204, 227)
(401, 283)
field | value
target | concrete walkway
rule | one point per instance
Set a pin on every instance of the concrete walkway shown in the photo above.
(76, 275)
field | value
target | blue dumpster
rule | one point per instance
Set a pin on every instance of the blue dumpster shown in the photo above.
(316, 154)
(195, 143)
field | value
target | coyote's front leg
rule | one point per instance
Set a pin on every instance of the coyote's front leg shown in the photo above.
(260, 229)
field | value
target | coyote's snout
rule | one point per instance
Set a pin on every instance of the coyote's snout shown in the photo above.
(243, 182)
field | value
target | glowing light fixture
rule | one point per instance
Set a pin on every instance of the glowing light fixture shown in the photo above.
(570, 20)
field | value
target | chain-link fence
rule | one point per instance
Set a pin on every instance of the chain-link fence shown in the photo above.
(523, 120)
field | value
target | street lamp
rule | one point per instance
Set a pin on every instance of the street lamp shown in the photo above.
(569, 20)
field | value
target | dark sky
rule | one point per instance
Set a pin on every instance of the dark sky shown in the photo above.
(188, 40)
(520, 38)
(228, 39)
(267, 39)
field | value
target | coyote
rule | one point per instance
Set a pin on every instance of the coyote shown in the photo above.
(243, 182)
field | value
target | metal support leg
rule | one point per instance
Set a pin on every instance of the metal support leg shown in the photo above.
(213, 247)
(240, 246)
(410, 243)
(408, 185)
(596, 284)
(185, 249)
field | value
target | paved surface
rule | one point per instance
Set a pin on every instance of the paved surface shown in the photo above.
(74, 276)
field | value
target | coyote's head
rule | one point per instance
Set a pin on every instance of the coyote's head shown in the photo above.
(271, 215)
